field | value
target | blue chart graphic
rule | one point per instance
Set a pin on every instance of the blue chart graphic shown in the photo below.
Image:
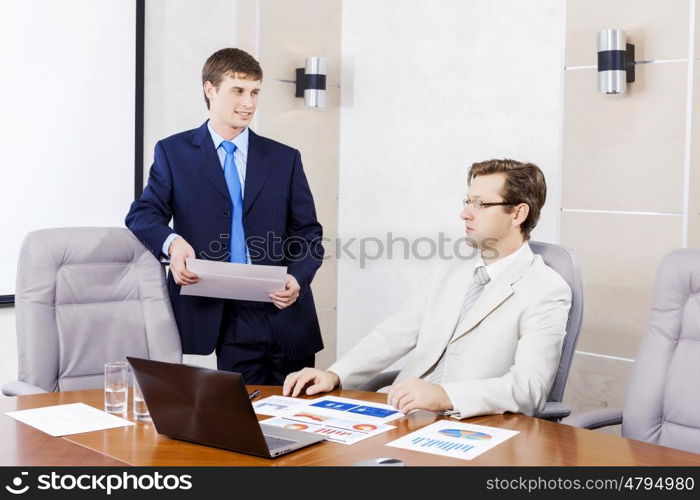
(372, 411)
(334, 405)
(442, 445)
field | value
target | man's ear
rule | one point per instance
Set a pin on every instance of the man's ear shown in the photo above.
(520, 213)
(209, 89)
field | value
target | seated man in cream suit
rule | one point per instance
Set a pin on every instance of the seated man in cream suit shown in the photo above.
(484, 334)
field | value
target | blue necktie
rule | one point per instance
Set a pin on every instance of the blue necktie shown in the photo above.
(238, 247)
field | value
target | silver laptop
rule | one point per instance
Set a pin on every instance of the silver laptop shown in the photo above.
(210, 407)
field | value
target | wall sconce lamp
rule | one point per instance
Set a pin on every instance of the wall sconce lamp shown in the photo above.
(615, 62)
(311, 82)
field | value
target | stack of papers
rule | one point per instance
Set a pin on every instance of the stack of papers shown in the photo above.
(341, 420)
(227, 280)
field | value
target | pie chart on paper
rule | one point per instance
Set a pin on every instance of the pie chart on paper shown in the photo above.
(364, 427)
(465, 434)
(296, 427)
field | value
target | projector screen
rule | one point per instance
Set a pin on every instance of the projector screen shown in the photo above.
(67, 118)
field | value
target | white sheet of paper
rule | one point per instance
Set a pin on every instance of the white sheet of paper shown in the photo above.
(74, 418)
(453, 439)
(228, 280)
(339, 430)
(278, 405)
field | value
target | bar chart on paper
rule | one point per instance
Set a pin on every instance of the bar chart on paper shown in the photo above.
(332, 432)
(454, 439)
(442, 445)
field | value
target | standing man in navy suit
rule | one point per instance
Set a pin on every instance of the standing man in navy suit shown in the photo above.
(235, 196)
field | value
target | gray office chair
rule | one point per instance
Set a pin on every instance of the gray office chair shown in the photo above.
(85, 296)
(662, 401)
(564, 262)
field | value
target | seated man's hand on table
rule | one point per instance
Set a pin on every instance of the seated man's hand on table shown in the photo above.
(417, 394)
(316, 380)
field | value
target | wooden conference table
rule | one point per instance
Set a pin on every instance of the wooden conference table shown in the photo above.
(539, 442)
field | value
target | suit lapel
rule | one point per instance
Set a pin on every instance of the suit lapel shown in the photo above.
(257, 169)
(453, 291)
(208, 160)
(498, 292)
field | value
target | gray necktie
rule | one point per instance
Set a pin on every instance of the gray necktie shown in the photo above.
(481, 278)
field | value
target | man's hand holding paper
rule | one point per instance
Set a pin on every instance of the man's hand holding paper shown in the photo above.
(287, 296)
(228, 280)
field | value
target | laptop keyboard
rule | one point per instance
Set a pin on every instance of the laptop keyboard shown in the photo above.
(274, 442)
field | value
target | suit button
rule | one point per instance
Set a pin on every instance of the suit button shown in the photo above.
(227, 214)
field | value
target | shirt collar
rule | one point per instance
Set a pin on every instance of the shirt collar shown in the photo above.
(495, 269)
(241, 140)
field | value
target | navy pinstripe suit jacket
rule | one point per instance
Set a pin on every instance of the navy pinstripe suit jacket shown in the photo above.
(187, 183)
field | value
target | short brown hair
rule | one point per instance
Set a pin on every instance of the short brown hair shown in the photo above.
(229, 62)
(524, 184)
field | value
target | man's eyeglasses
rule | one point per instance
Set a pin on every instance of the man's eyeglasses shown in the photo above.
(479, 205)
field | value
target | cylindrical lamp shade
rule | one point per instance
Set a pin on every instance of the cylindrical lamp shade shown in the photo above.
(315, 82)
(612, 77)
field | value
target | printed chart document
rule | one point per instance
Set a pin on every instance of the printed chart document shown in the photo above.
(340, 430)
(356, 409)
(341, 420)
(228, 280)
(330, 406)
(62, 420)
(453, 439)
(276, 405)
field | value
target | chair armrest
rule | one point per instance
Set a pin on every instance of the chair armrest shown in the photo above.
(18, 388)
(554, 410)
(595, 419)
(381, 380)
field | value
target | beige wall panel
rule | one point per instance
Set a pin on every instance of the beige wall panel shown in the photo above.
(694, 231)
(596, 383)
(290, 31)
(322, 173)
(694, 206)
(324, 285)
(625, 152)
(657, 28)
(696, 49)
(619, 255)
(694, 202)
(327, 213)
(327, 320)
(313, 131)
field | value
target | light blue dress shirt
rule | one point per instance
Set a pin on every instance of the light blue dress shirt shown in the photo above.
(240, 156)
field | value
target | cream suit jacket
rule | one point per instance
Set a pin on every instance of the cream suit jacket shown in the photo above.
(506, 358)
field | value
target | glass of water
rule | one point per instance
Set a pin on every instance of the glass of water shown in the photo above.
(116, 386)
(141, 412)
